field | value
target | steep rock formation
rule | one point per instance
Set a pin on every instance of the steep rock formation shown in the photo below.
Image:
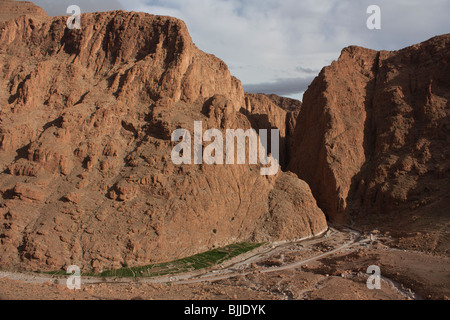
(374, 130)
(85, 149)
(274, 112)
(10, 9)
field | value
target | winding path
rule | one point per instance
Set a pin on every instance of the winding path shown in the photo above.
(229, 270)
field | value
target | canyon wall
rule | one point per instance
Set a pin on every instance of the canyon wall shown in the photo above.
(85, 148)
(373, 134)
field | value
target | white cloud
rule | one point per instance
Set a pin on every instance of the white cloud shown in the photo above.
(266, 41)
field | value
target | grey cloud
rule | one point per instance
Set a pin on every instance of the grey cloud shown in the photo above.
(59, 7)
(281, 87)
(306, 70)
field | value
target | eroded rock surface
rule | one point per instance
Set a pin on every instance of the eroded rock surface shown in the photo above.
(85, 149)
(274, 112)
(10, 9)
(373, 134)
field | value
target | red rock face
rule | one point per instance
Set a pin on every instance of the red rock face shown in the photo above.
(86, 121)
(273, 112)
(10, 9)
(374, 130)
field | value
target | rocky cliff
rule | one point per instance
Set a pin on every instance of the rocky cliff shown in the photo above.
(274, 112)
(373, 135)
(10, 9)
(85, 146)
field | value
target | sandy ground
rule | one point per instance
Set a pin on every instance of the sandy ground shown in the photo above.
(330, 268)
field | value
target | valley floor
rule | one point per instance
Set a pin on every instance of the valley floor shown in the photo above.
(333, 267)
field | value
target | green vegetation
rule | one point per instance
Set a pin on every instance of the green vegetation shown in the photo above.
(197, 262)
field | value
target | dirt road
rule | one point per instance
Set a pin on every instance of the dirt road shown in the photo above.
(330, 267)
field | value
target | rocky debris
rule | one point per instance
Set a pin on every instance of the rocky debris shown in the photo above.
(272, 263)
(373, 133)
(291, 195)
(87, 115)
(30, 192)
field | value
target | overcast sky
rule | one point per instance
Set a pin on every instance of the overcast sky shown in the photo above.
(279, 46)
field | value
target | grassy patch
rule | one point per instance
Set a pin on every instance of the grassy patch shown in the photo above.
(197, 262)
